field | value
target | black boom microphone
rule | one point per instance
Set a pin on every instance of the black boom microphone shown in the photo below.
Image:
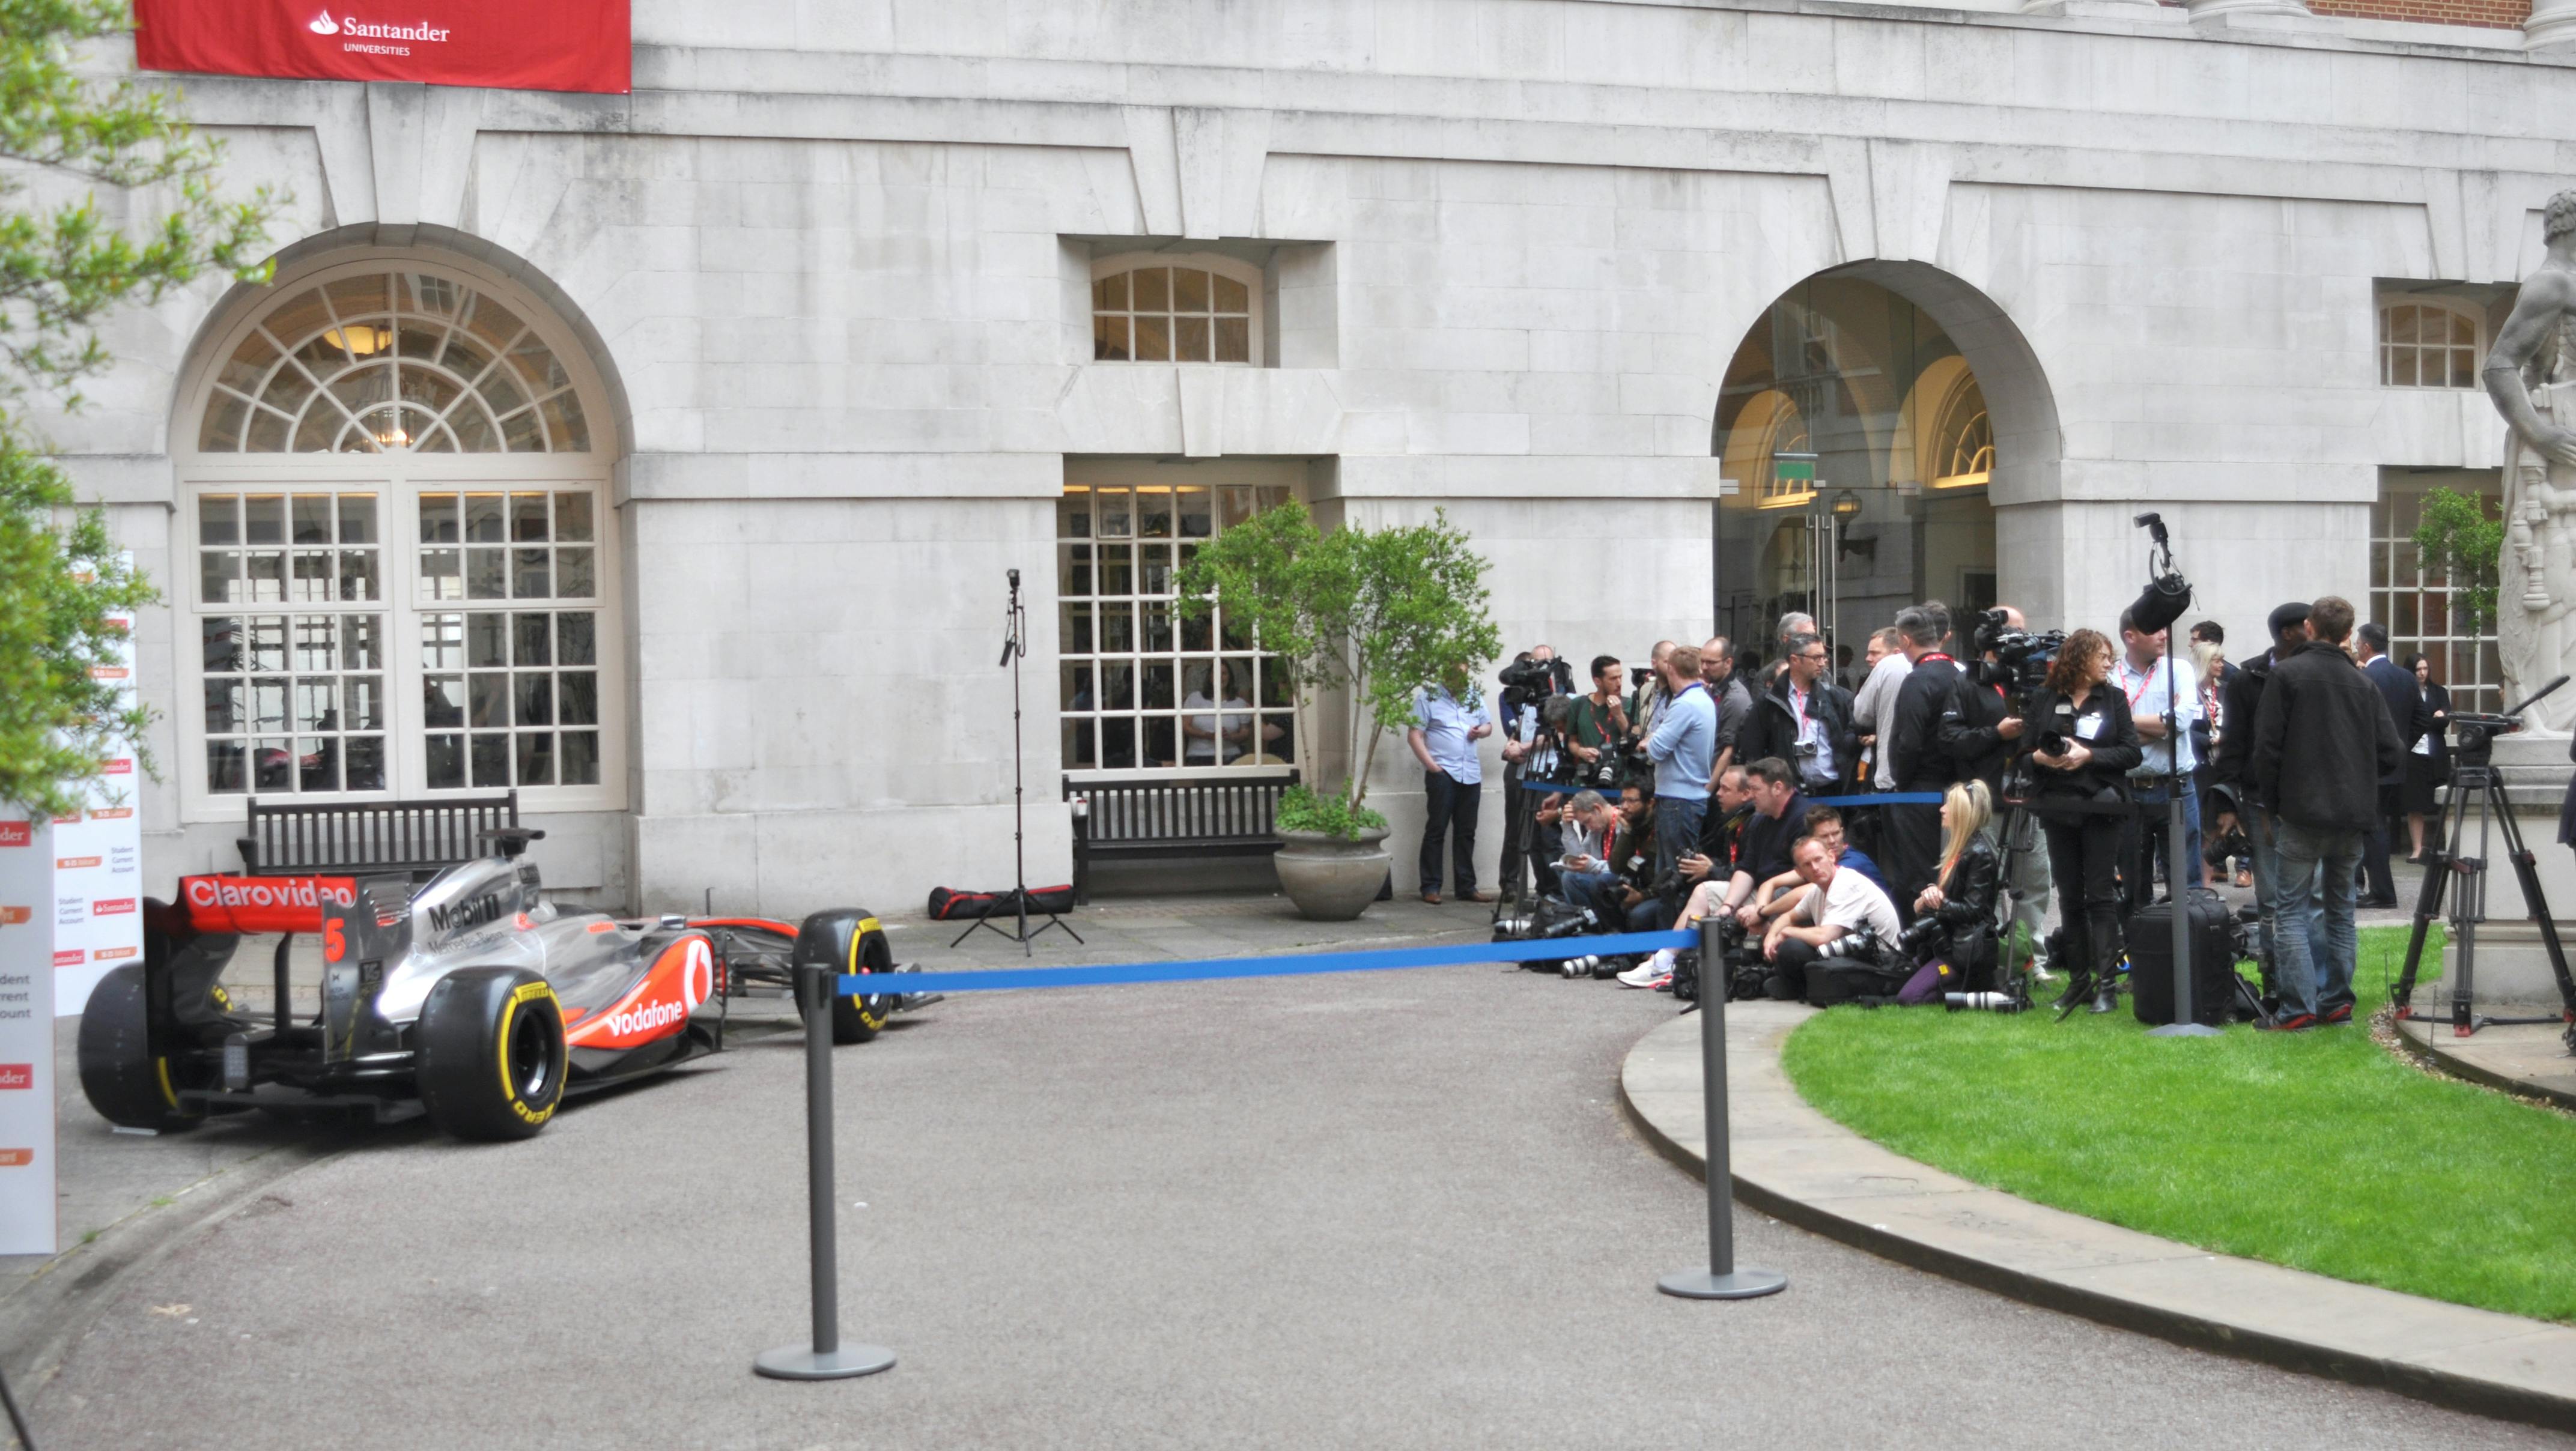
(2167, 594)
(2534, 698)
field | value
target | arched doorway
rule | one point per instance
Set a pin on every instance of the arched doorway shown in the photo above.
(1866, 458)
(398, 575)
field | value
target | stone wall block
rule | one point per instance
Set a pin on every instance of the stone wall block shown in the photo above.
(1153, 152)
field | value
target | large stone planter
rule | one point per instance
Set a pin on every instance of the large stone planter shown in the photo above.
(1332, 878)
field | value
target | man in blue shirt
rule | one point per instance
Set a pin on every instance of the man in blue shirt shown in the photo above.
(1448, 720)
(1684, 750)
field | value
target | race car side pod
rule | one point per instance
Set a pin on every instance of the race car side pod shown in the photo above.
(827, 946)
(1721, 1280)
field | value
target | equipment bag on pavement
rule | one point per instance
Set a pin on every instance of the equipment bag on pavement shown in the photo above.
(948, 905)
(2213, 960)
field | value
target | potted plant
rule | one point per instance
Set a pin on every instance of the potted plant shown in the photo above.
(1374, 613)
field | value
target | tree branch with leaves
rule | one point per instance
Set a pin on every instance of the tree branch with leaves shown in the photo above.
(64, 266)
(1375, 613)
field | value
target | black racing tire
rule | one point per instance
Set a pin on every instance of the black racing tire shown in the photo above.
(492, 1058)
(118, 1072)
(856, 1019)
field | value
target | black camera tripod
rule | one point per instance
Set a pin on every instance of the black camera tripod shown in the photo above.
(2476, 781)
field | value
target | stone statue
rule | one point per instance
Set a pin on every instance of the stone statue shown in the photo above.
(2531, 375)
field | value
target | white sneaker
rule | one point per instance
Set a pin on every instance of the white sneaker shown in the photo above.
(1653, 970)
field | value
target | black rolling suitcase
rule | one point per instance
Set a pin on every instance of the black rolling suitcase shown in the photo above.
(2213, 961)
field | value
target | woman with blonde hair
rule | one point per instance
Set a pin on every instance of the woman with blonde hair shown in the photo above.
(1961, 897)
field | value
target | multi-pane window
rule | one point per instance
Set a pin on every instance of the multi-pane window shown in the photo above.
(1167, 312)
(2427, 344)
(510, 690)
(2421, 608)
(1141, 686)
(393, 362)
(292, 625)
(403, 581)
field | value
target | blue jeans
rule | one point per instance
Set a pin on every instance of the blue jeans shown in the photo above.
(1677, 820)
(2318, 947)
(2263, 835)
(1597, 890)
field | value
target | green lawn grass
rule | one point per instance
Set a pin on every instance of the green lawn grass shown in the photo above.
(2316, 1150)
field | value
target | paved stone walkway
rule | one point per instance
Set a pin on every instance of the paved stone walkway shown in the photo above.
(1791, 1160)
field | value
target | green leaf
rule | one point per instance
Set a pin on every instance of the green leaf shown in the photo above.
(2457, 536)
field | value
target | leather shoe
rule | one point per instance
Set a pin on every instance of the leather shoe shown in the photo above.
(1479, 898)
(1432, 897)
(2376, 903)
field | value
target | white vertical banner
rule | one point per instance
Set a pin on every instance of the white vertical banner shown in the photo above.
(26, 1036)
(98, 856)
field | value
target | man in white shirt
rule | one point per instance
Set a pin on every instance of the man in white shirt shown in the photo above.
(1839, 902)
(2143, 676)
(1888, 668)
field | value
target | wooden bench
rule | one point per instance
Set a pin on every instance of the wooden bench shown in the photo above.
(371, 838)
(1208, 816)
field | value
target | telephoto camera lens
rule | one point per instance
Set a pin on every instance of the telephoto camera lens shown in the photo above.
(1574, 967)
(1982, 1002)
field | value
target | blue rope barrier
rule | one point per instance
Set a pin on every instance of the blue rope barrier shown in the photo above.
(1299, 964)
(1876, 798)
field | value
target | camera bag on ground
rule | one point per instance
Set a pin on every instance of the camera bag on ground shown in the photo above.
(1832, 980)
(2213, 960)
(947, 905)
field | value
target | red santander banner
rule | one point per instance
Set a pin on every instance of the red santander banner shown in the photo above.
(552, 45)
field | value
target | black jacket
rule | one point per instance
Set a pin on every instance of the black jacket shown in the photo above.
(1968, 736)
(2240, 698)
(1772, 731)
(2437, 709)
(2406, 708)
(2323, 740)
(1968, 904)
(1933, 691)
(2116, 748)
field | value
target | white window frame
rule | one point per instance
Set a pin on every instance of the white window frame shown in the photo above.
(398, 479)
(1243, 272)
(2428, 302)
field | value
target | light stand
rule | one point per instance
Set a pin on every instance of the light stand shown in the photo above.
(2167, 597)
(1015, 647)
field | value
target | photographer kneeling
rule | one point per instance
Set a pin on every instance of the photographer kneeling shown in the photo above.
(1843, 915)
(1952, 940)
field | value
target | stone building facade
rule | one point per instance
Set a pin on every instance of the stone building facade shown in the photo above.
(663, 454)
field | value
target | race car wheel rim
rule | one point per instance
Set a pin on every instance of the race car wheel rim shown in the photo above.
(532, 1059)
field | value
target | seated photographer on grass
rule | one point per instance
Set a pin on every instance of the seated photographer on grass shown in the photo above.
(1953, 937)
(1836, 904)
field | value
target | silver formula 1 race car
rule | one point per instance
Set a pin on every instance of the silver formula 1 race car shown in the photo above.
(467, 997)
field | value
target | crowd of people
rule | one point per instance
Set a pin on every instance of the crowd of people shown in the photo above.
(1882, 831)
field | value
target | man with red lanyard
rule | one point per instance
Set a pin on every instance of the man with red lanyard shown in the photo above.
(1914, 754)
(2142, 675)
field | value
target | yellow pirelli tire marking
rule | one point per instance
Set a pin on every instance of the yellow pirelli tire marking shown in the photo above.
(526, 992)
(161, 1069)
(858, 939)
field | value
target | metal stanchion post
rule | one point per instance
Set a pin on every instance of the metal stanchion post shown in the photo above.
(826, 1358)
(1721, 1280)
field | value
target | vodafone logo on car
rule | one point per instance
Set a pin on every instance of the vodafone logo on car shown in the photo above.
(682, 978)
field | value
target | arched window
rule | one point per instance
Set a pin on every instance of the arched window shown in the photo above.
(402, 572)
(2428, 343)
(1157, 308)
(1965, 439)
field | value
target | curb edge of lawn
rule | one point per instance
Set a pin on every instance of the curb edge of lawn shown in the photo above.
(2428, 1052)
(1755, 1034)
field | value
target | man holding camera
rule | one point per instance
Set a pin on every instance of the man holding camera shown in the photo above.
(1837, 903)
(1800, 719)
(1600, 725)
(2322, 741)
(1533, 679)
(1584, 873)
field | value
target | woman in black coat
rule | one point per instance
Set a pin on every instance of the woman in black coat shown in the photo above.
(2428, 766)
(1961, 958)
(2080, 791)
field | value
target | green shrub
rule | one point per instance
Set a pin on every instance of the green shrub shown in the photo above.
(1300, 809)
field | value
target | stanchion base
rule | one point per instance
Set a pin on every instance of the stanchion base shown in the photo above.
(799, 1362)
(1741, 1285)
(2183, 1030)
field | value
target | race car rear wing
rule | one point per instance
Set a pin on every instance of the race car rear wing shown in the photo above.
(243, 905)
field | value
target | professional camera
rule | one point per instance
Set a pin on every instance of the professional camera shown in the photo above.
(1927, 935)
(1984, 1002)
(1527, 679)
(2021, 658)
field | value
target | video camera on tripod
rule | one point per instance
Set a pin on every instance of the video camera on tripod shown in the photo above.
(2021, 657)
